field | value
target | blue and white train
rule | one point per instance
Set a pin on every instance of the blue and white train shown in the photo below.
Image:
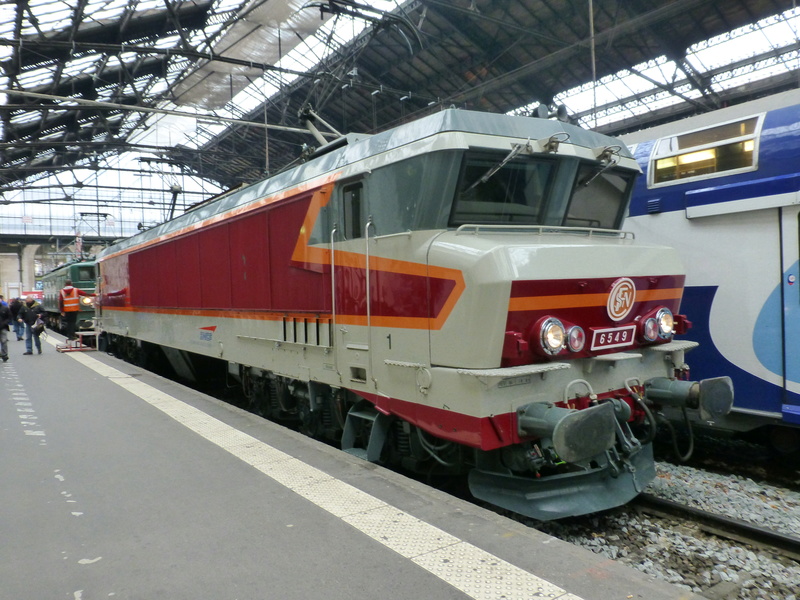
(723, 188)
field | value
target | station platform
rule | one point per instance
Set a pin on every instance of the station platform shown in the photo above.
(117, 483)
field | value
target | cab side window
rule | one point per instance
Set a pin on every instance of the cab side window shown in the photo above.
(355, 217)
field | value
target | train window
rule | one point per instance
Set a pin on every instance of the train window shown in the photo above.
(354, 217)
(491, 191)
(415, 193)
(599, 197)
(408, 195)
(717, 149)
(85, 273)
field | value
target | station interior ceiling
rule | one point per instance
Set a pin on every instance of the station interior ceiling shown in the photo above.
(85, 80)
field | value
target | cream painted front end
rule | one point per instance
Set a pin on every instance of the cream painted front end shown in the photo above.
(466, 351)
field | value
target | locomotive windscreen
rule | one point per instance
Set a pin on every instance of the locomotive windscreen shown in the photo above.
(599, 198)
(540, 191)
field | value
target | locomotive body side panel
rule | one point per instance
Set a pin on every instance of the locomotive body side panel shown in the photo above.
(249, 258)
(187, 272)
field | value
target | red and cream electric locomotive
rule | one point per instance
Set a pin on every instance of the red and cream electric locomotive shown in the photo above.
(452, 295)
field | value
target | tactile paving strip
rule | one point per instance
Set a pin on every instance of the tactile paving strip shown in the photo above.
(403, 533)
(482, 575)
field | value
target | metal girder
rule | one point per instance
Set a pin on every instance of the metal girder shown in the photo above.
(495, 55)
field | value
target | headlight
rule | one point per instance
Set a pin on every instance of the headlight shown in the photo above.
(666, 322)
(576, 338)
(87, 300)
(552, 336)
(650, 330)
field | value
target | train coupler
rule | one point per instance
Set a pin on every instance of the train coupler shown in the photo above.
(712, 397)
(574, 434)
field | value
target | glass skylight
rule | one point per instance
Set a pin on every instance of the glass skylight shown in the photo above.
(661, 83)
(649, 86)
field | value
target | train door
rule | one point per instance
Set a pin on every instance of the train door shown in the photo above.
(382, 288)
(351, 286)
(790, 299)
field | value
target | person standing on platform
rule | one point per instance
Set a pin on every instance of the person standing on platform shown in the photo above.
(69, 303)
(14, 306)
(5, 319)
(28, 314)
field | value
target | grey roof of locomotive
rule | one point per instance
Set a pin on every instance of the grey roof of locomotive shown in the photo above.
(360, 147)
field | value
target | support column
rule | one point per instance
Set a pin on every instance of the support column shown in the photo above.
(27, 269)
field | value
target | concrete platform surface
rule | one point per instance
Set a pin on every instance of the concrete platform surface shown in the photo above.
(117, 483)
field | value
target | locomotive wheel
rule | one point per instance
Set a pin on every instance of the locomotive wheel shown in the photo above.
(132, 352)
(256, 390)
(249, 391)
(309, 420)
(247, 382)
(287, 402)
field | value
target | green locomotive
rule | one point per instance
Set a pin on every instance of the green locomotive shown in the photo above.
(84, 277)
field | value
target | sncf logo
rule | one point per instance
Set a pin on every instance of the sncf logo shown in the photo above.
(207, 333)
(621, 299)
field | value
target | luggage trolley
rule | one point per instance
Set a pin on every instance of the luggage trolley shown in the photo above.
(80, 343)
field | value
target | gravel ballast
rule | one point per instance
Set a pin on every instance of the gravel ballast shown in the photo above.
(685, 556)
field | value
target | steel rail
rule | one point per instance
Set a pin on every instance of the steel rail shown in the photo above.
(722, 526)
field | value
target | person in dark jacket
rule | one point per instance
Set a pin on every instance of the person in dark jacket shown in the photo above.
(5, 319)
(28, 314)
(19, 328)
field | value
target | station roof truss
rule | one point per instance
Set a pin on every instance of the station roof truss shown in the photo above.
(86, 79)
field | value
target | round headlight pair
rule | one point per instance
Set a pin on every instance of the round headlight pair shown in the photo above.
(661, 326)
(554, 337)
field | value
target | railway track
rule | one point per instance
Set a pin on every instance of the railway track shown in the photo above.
(721, 526)
(724, 455)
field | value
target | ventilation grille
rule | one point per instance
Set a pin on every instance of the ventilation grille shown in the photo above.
(654, 206)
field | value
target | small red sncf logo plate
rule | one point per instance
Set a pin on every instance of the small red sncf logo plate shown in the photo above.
(206, 333)
(621, 299)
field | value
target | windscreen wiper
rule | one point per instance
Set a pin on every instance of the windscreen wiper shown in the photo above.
(517, 148)
(609, 157)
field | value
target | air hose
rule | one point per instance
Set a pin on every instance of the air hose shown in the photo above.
(690, 451)
(651, 420)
